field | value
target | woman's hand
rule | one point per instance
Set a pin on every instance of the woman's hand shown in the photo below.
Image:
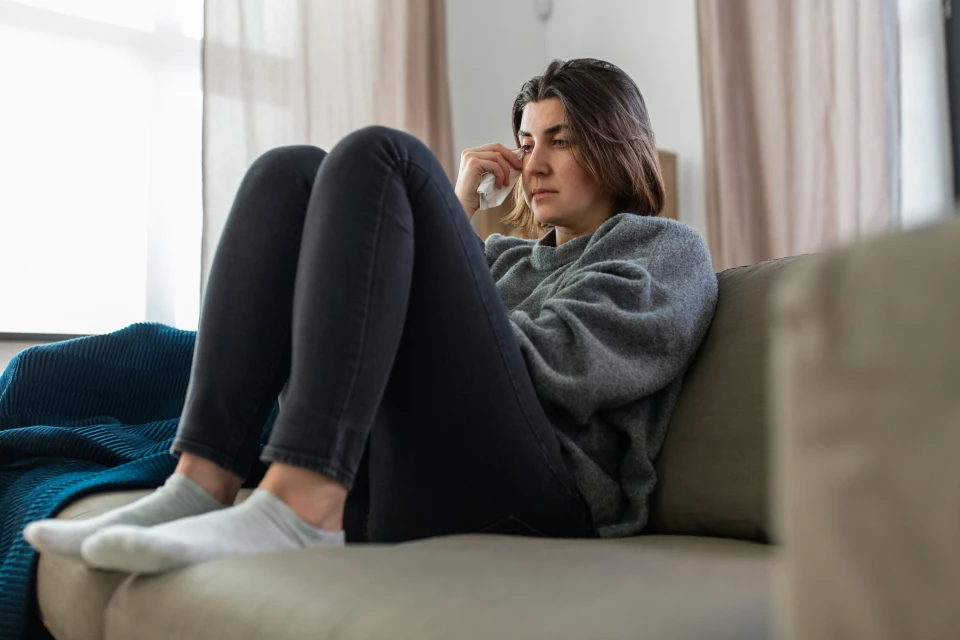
(489, 158)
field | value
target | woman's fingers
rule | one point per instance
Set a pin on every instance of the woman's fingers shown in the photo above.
(483, 165)
(490, 158)
(509, 154)
(503, 177)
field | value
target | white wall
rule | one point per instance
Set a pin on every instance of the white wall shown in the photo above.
(493, 47)
(655, 42)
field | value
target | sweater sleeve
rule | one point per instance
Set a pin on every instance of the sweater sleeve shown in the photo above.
(618, 330)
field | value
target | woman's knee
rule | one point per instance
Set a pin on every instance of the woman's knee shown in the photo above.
(288, 162)
(374, 139)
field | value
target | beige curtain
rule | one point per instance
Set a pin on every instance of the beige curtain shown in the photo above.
(284, 72)
(801, 124)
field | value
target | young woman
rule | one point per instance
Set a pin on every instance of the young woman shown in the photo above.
(431, 383)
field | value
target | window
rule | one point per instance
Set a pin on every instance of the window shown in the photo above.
(925, 154)
(100, 164)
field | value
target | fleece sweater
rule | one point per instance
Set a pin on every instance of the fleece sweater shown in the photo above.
(607, 324)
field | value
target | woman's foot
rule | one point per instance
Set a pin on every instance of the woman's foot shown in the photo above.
(262, 523)
(179, 497)
(316, 498)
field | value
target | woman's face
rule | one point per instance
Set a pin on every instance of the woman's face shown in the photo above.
(571, 199)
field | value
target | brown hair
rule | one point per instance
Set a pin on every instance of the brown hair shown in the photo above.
(615, 143)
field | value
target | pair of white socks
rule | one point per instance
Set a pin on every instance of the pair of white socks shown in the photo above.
(178, 525)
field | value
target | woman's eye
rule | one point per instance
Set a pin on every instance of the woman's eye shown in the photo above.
(526, 147)
(560, 142)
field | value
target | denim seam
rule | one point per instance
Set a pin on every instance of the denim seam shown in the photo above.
(513, 381)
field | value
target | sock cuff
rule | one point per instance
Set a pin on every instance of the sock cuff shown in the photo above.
(281, 513)
(186, 487)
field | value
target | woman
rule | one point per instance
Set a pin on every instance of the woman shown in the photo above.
(431, 383)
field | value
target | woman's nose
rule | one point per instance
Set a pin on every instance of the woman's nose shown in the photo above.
(534, 162)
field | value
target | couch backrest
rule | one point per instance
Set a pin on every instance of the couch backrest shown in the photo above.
(712, 471)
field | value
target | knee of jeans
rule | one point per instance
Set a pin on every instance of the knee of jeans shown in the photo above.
(374, 138)
(288, 161)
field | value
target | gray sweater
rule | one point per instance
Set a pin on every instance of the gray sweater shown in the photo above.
(607, 324)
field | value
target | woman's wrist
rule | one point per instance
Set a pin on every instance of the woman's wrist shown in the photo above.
(468, 210)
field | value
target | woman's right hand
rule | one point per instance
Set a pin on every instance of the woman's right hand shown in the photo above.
(489, 158)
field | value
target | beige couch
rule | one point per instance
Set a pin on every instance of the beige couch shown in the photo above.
(703, 570)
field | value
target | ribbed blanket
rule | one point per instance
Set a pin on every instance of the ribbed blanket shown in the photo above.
(78, 417)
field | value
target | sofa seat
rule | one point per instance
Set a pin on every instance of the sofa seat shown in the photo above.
(466, 587)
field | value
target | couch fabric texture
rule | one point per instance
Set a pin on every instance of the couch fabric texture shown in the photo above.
(865, 393)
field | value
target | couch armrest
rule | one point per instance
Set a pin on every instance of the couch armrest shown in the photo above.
(865, 400)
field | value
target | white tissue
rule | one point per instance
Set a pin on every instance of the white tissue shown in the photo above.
(491, 197)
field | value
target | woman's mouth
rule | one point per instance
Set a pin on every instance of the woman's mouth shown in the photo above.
(541, 194)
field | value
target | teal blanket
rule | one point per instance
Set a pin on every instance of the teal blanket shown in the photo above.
(80, 417)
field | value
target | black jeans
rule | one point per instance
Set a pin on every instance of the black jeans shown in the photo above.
(353, 283)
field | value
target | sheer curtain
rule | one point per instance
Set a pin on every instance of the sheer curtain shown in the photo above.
(801, 124)
(301, 72)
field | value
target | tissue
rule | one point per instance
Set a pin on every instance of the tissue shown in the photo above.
(491, 197)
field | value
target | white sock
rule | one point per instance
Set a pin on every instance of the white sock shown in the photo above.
(179, 497)
(262, 523)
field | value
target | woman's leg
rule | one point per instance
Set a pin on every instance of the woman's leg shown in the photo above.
(399, 330)
(420, 346)
(242, 356)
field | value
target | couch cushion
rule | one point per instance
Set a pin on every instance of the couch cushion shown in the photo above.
(72, 597)
(865, 367)
(712, 471)
(464, 587)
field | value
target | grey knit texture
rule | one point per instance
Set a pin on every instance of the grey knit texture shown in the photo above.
(608, 324)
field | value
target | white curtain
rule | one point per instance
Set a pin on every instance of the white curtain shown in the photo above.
(310, 72)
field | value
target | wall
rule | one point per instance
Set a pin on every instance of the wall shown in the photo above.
(493, 47)
(655, 42)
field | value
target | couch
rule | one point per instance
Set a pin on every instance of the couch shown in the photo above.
(704, 568)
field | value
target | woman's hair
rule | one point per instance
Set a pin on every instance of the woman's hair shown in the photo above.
(614, 141)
